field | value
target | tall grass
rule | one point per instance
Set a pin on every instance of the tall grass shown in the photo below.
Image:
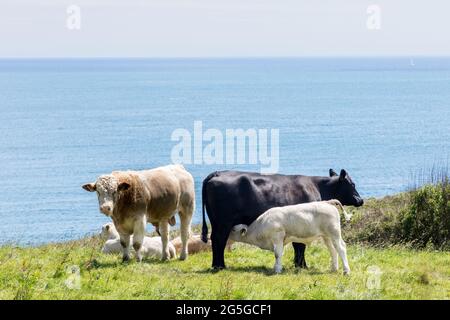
(437, 174)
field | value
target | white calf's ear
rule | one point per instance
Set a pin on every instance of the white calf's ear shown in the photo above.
(107, 227)
(123, 186)
(243, 231)
(89, 187)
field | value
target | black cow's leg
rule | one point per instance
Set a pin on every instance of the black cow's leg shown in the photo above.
(218, 256)
(218, 242)
(299, 251)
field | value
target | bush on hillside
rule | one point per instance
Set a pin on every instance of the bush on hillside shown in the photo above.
(419, 218)
(427, 220)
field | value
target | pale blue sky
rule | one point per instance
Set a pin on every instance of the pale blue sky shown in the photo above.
(225, 28)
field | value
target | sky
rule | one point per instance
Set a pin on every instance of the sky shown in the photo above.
(225, 28)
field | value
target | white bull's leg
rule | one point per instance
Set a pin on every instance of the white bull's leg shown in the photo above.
(138, 236)
(164, 230)
(340, 246)
(185, 226)
(333, 253)
(125, 243)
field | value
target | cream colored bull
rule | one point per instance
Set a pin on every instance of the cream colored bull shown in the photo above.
(297, 223)
(134, 198)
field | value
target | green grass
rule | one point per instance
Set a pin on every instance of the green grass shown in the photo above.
(41, 273)
(381, 236)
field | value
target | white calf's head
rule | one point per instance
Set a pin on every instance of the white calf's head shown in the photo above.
(238, 232)
(108, 189)
(109, 231)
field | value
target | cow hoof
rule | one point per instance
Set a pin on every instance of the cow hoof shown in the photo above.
(217, 268)
(182, 257)
(125, 259)
(346, 272)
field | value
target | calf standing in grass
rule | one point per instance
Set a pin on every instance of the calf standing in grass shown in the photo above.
(298, 223)
(133, 198)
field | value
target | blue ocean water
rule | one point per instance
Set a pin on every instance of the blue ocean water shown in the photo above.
(64, 122)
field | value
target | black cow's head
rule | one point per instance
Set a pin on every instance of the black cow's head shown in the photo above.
(345, 189)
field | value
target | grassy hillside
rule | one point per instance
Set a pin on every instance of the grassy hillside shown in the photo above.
(43, 273)
(389, 257)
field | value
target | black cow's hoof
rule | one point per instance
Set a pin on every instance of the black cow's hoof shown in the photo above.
(217, 268)
(125, 259)
(301, 265)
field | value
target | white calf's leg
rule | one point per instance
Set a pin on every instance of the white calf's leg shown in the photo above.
(125, 243)
(138, 236)
(340, 246)
(278, 248)
(164, 230)
(333, 253)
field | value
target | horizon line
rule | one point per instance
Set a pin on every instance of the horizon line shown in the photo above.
(413, 56)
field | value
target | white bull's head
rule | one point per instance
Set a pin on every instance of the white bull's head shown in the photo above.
(108, 189)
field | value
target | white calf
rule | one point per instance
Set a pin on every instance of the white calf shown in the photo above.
(112, 246)
(109, 231)
(298, 223)
(151, 246)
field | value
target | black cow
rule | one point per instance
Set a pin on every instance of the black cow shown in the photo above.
(233, 197)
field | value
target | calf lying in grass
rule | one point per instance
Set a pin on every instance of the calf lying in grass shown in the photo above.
(151, 246)
(298, 223)
(195, 244)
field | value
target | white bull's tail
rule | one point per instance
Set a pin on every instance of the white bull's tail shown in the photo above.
(338, 204)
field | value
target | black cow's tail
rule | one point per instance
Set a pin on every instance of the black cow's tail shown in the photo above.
(204, 196)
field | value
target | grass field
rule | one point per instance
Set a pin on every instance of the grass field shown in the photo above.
(398, 248)
(51, 272)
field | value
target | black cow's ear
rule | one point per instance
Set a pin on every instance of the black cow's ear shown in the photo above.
(123, 186)
(343, 175)
(333, 173)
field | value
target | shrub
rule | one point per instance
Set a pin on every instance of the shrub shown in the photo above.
(427, 220)
(419, 218)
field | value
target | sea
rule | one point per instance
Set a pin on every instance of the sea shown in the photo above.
(66, 121)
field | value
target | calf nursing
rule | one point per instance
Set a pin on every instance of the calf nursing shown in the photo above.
(303, 223)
